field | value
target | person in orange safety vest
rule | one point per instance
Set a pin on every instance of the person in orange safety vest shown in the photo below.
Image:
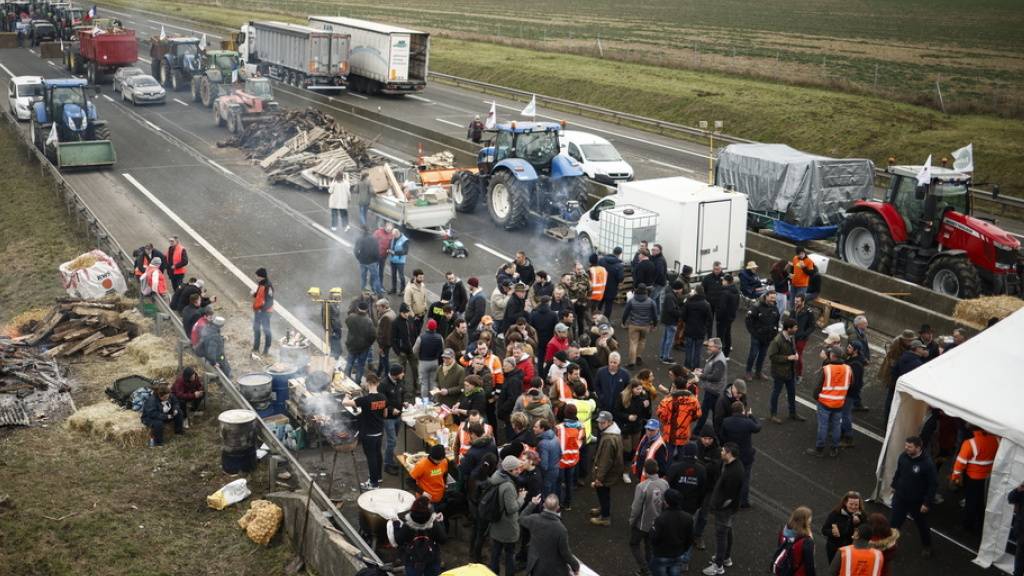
(859, 558)
(572, 436)
(598, 282)
(152, 281)
(836, 377)
(465, 438)
(972, 469)
(176, 264)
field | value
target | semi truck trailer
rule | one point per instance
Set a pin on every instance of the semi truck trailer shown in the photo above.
(299, 55)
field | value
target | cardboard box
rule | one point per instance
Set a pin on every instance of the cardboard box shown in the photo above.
(427, 425)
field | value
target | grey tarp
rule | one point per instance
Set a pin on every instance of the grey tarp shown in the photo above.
(809, 190)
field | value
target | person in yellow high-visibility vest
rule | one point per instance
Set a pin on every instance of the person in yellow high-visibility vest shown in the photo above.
(972, 469)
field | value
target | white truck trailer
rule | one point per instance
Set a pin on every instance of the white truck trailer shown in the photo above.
(383, 59)
(696, 224)
(299, 55)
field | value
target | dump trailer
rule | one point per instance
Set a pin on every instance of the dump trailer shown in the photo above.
(66, 128)
(383, 59)
(100, 51)
(299, 55)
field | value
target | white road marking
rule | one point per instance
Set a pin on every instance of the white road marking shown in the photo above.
(391, 156)
(108, 98)
(616, 134)
(249, 283)
(7, 70)
(420, 98)
(153, 126)
(493, 251)
(360, 96)
(180, 102)
(51, 63)
(146, 60)
(32, 51)
(216, 165)
(449, 122)
(673, 166)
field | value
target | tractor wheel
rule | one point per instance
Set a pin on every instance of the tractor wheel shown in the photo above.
(583, 247)
(578, 191)
(466, 189)
(91, 73)
(507, 200)
(216, 114)
(165, 75)
(103, 133)
(865, 242)
(195, 90)
(234, 122)
(206, 90)
(953, 276)
(177, 81)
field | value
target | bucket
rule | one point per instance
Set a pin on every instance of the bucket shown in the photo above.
(280, 374)
(237, 440)
(257, 388)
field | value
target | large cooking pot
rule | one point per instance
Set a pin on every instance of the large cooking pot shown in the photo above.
(238, 440)
(377, 505)
(257, 388)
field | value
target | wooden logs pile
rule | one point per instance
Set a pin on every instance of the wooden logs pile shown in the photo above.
(74, 326)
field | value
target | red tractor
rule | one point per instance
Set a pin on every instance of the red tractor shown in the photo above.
(248, 105)
(926, 235)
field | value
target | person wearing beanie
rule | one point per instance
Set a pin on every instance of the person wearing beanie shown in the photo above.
(505, 531)
(671, 537)
(262, 307)
(430, 473)
(419, 539)
(359, 342)
(152, 282)
(428, 348)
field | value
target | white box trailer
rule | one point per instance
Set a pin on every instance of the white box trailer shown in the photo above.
(697, 224)
(298, 55)
(382, 58)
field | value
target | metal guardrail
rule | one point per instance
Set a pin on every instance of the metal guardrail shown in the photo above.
(663, 127)
(103, 239)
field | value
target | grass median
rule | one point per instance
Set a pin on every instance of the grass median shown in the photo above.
(822, 121)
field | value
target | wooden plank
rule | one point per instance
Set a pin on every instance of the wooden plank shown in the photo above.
(82, 344)
(79, 333)
(51, 322)
(91, 310)
(120, 338)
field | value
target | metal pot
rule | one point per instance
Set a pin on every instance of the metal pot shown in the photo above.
(257, 388)
(376, 506)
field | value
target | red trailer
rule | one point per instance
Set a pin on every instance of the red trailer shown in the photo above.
(100, 51)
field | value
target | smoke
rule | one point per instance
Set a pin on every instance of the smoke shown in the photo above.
(336, 423)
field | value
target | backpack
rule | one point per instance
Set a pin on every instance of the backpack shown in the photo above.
(490, 508)
(786, 562)
(421, 551)
(139, 397)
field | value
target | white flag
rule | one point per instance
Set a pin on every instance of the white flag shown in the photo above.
(924, 175)
(492, 118)
(234, 75)
(963, 159)
(163, 33)
(52, 138)
(202, 42)
(531, 108)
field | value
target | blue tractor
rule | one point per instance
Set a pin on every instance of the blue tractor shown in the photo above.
(66, 128)
(523, 174)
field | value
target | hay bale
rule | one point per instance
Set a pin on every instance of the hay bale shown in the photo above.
(262, 521)
(24, 323)
(977, 311)
(111, 423)
(146, 346)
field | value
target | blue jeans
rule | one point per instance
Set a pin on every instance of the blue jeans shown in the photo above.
(656, 293)
(666, 342)
(707, 406)
(509, 549)
(363, 212)
(567, 478)
(383, 361)
(758, 353)
(829, 422)
(692, 348)
(846, 429)
(551, 479)
(391, 428)
(790, 385)
(661, 566)
(357, 365)
(370, 270)
(261, 324)
(397, 277)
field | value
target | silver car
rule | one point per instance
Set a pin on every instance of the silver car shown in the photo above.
(124, 73)
(143, 89)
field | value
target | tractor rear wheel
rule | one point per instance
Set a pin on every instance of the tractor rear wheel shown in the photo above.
(102, 133)
(206, 90)
(508, 200)
(195, 90)
(865, 242)
(177, 80)
(234, 122)
(466, 189)
(216, 114)
(953, 275)
(165, 75)
(583, 247)
(91, 74)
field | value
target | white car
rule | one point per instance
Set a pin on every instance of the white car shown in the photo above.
(22, 92)
(143, 89)
(599, 159)
(123, 73)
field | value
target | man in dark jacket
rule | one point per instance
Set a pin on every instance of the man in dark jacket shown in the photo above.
(211, 346)
(160, 408)
(543, 320)
(709, 453)
(609, 383)
(913, 490)
(428, 348)
(639, 317)
(910, 360)
(524, 269)
(660, 275)
(403, 337)
(671, 313)
(191, 312)
(367, 253)
(740, 429)
(476, 307)
(855, 360)
(643, 269)
(359, 342)
(762, 322)
(736, 392)
(697, 317)
(725, 502)
(541, 288)
(672, 536)
(480, 446)
(393, 389)
(549, 540)
(805, 325)
(712, 284)
(728, 306)
(616, 273)
(688, 476)
(783, 356)
(514, 309)
(454, 293)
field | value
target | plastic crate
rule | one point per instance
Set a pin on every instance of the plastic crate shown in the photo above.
(626, 226)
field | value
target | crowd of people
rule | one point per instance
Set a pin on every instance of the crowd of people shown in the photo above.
(548, 402)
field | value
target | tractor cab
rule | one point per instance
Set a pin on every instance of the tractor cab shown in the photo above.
(259, 88)
(71, 109)
(534, 142)
(225, 61)
(922, 207)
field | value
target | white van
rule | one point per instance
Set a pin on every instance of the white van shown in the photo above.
(22, 93)
(695, 223)
(600, 160)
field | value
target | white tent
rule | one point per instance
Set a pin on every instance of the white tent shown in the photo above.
(982, 382)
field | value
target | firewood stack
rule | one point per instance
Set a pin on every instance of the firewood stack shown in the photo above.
(24, 370)
(75, 326)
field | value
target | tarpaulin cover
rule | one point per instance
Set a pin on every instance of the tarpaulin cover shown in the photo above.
(810, 190)
(804, 233)
(978, 381)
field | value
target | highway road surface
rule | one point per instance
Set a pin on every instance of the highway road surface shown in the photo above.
(171, 178)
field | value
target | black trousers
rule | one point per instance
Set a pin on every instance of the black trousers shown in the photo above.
(724, 330)
(373, 449)
(974, 507)
(156, 427)
(901, 509)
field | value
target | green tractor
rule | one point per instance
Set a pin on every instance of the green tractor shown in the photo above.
(220, 72)
(66, 128)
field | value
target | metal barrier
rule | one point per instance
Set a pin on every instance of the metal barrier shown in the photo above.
(103, 239)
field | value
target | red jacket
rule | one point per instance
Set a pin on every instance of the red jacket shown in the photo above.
(554, 345)
(186, 389)
(383, 238)
(197, 330)
(527, 366)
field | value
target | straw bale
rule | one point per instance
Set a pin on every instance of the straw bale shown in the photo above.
(977, 311)
(109, 422)
(261, 521)
(24, 323)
